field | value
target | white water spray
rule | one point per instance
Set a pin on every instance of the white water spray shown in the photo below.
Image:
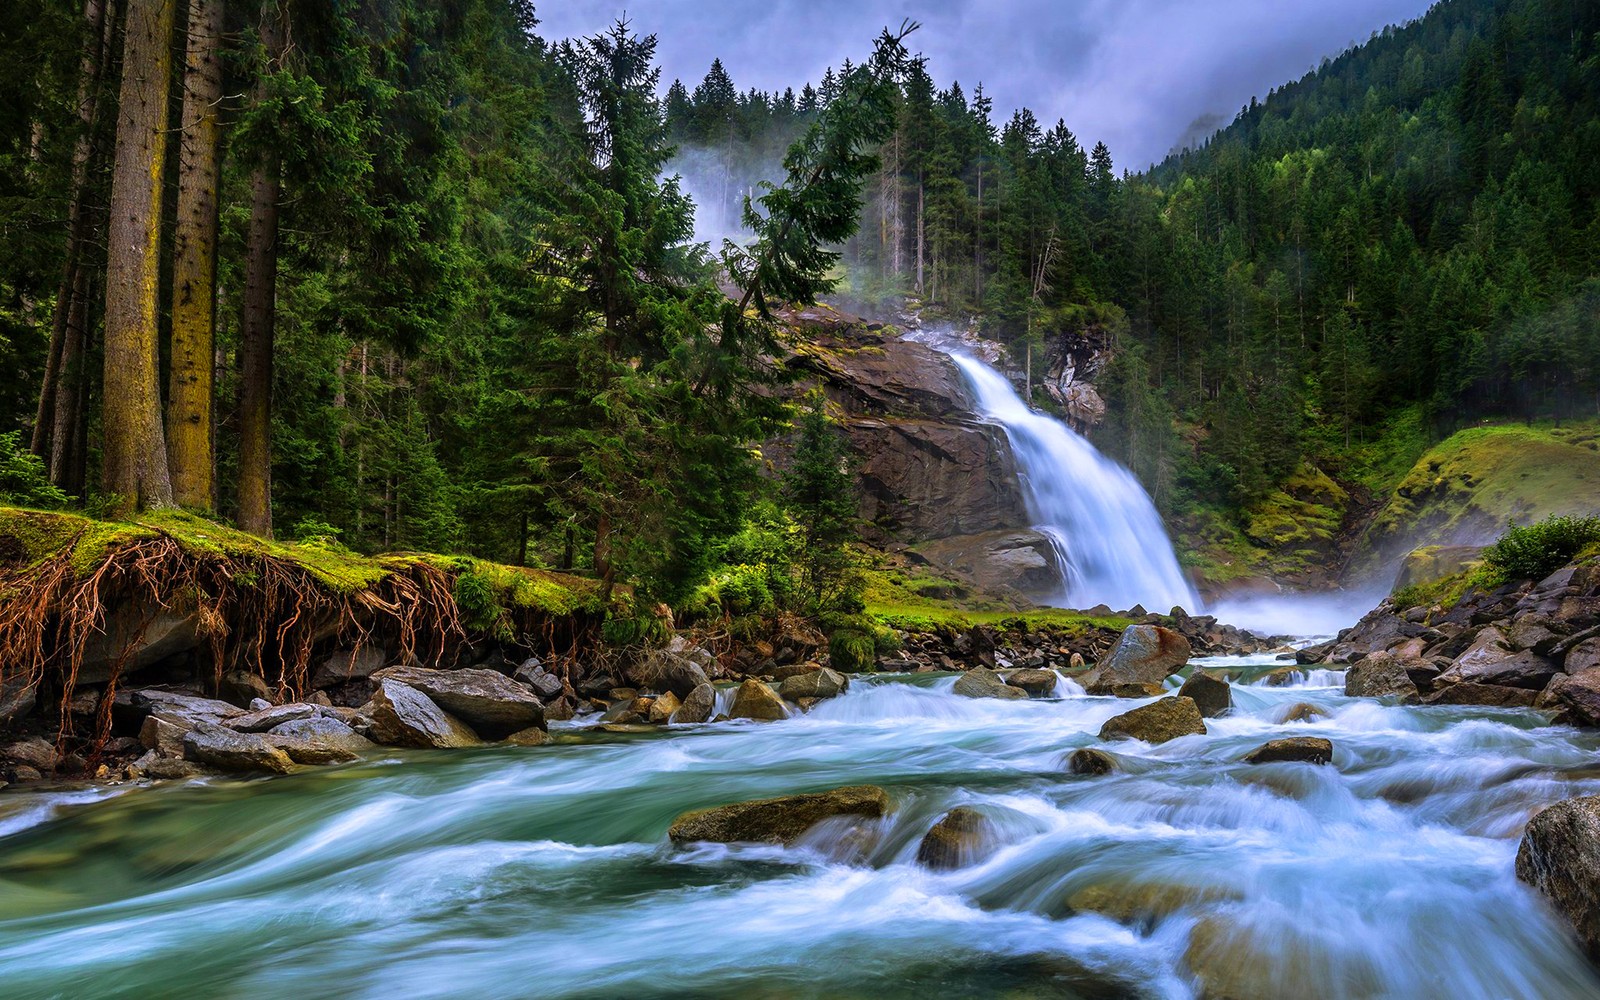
(1108, 537)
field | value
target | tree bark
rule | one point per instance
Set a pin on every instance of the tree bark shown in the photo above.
(256, 331)
(194, 268)
(67, 458)
(95, 23)
(135, 448)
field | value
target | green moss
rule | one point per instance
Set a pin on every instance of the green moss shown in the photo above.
(852, 651)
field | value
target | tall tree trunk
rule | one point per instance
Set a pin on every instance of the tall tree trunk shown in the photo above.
(256, 331)
(135, 461)
(920, 244)
(95, 24)
(194, 268)
(67, 458)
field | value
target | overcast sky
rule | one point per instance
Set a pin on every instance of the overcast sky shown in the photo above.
(1137, 74)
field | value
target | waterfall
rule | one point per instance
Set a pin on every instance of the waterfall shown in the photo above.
(1106, 532)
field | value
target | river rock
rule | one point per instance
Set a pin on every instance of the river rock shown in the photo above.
(1211, 694)
(1144, 654)
(662, 708)
(228, 750)
(1381, 676)
(318, 740)
(533, 737)
(264, 719)
(1089, 760)
(1301, 711)
(403, 716)
(702, 701)
(1487, 695)
(821, 683)
(1038, 683)
(957, 840)
(1158, 722)
(36, 752)
(665, 670)
(981, 682)
(780, 820)
(1560, 857)
(754, 700)
(491, 703)
(1294, 749)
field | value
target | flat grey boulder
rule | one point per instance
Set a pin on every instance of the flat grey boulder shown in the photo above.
(777, 821)
(1492, 665)
(403, 716)
(1144, 654)
(264, 719)
(191, 709)
(1560, 857)
(318, 740)
(228, 750)
(493, 704)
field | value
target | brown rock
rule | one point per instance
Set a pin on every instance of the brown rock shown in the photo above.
(981, 682)
(1159, 722)
(1088, 760)
(1211, 693)
(780, 820)
(957, 840)
(1038, 683)
(1144, 654)
(1302, 712)
(1295, 749)
(662, 708)
(1488, 695)
(820, 683)
(1381, 676)
(234, 751)
(754, 700)
(698, 706)
(532, 737)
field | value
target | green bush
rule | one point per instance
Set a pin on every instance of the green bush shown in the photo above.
(852, 651)
(478, 603)
(1534, 551)
(23, 480)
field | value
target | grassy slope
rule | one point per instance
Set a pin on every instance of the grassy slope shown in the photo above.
(918, 599)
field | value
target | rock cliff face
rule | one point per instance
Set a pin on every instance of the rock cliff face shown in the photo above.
(930, 472)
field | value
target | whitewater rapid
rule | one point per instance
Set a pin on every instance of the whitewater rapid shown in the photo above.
(546, 872)
(1108, 536)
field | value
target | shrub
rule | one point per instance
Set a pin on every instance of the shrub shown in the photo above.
(478, 603)
(1534, 551)
(23, 480)
(852, 651)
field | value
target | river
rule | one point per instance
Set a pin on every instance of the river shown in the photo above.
(546, 872)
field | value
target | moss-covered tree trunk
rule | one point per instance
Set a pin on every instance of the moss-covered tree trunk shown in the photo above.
(194, 269)
(256, 331)
(135, 449)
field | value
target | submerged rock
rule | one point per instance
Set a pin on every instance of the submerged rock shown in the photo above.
(529, 738)
(754, 700)
(491, 703)
(1560, 857)
(234, 751)
(1144, 654)
(981, 682)
(698, 706)
(780, 820)
(1211, 694)
(1301, 711)
(1294, 749)
(1089, 760)
(403, 716)
(1159, 722)
(957, 840)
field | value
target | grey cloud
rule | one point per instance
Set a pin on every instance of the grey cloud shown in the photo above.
(1138, 74)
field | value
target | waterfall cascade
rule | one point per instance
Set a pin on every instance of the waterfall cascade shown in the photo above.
(1109, 540)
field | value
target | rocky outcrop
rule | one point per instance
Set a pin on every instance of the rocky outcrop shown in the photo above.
(1158, 722)
(1016, 559)
(1560, 857)
(780, 820)
(1294, 749)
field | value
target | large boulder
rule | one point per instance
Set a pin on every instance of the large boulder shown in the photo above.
(318, 740)
(698, 707)
(754, 700)
(1144, 654)
(781, 820)
(229, 750)
(1381, 676)
(821, 683)
(403, 716)
(1212, 694)
(493, 704)
(957, 840)
(1295, 749)
(189, 709)
(1157, 722)
(16, 699)
(1560, 857)
(981, 682)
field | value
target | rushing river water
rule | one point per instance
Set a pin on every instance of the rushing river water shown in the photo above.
(546, 872)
